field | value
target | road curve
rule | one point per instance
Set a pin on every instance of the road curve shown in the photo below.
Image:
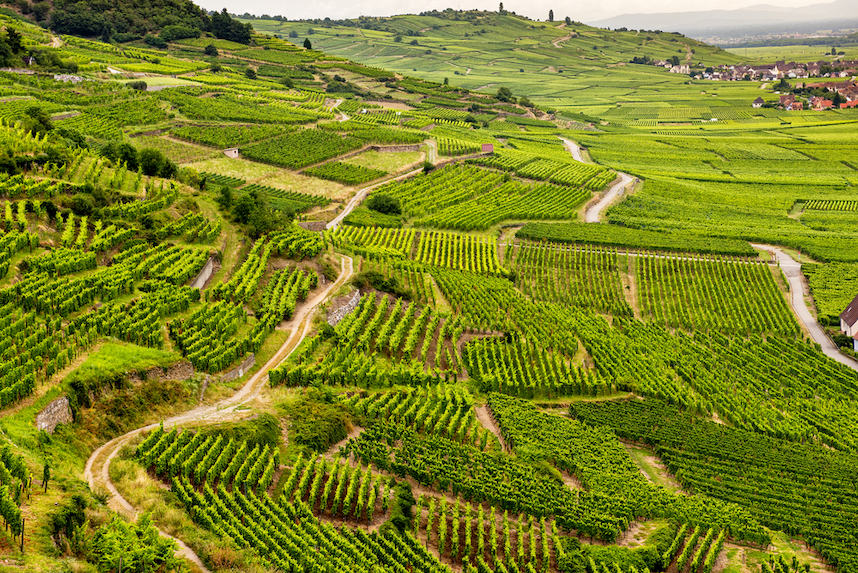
(224, 410)
(432, 157)
(792, 270)
(594, 212)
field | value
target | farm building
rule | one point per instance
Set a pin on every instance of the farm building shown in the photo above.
(758, 102)
(849, 319)
(231, 152)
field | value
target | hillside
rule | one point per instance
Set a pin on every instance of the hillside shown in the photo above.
(545, 61)
(267, 308)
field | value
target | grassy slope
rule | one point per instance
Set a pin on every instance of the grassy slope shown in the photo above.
(541, 61)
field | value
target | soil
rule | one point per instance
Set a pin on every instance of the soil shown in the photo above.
(486, 418)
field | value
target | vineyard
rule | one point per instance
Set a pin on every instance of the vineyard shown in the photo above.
(467, 198)
(242, 349)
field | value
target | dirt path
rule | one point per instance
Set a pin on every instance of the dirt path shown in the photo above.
(594, 212)
(485, 417)
(224, 410)
(56, 42)
(573, 149)
(560, 40)
(792, 270)
(362, 193)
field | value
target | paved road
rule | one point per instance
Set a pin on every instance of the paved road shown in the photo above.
(792, 270)
(224, 410)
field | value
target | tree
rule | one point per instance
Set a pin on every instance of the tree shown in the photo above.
(446, 81)
(505, 95)
(13, 39)
(674, 60)
(568, 21)
(224, 198)
(293, 33)
(153, 163)
(210, 50)
(307, 44)
(250, 73)
(384, 203)
(551, 15)
(37, 121)
(46, 475)
(500, 8)
(226, 28)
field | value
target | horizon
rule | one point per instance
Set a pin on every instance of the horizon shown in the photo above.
(338, 10)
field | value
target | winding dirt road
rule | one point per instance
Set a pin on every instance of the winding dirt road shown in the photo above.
(361, 194)
(97, 470)
(792, 270)
(593, 214)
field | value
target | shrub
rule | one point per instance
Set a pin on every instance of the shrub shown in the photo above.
(383, 203)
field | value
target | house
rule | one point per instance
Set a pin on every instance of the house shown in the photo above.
(232, 152)
(849, 318)
(795, 106)
(820, 104)
(758, 102)
(787, 100)
(849, 104)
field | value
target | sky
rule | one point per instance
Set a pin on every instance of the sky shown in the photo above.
(579, 10)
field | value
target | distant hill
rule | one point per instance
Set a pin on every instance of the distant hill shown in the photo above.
(758, 17)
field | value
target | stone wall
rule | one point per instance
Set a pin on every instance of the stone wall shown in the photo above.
(55, 413)
(335, 315)
(178, 371)
(395, 148)
(241, 369)
(204, 275)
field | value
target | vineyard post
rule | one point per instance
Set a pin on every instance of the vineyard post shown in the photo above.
(22, 535)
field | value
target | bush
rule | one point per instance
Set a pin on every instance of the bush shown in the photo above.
(175, 32)
(138, 85)
(210, 50)
(154, 163)
(379, 282)
(155, 41)
(383, 203)
(316, 422)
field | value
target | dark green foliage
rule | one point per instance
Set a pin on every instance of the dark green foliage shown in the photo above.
(307, 44)
(37, 120)
(381, 283)
(121, 153)
(93, 18)
(137, 85)
(155, 41)
(154, 163)
(403, 501)
(223, 26)
(210, 50)
(175, 32)
(316, 421)
(70, 517)
(384, 203)
(252, 209)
